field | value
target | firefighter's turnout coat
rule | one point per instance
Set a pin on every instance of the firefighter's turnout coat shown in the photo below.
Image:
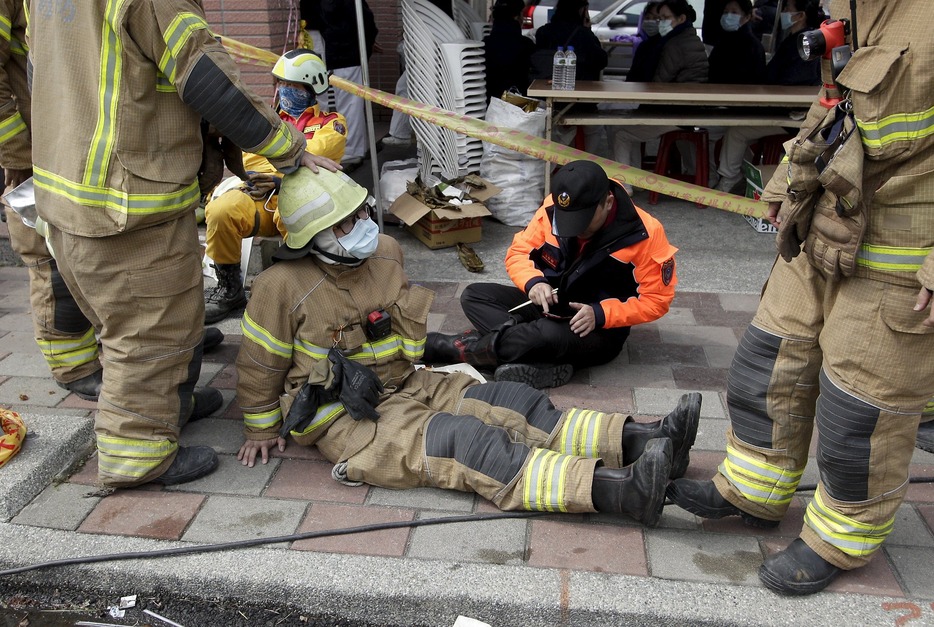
(835, 340)
(64, 335)
(505, 441)
(120, 90)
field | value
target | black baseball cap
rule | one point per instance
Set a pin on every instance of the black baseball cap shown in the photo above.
(576, 190)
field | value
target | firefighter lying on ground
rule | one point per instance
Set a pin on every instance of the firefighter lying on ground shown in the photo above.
(243, 209)
(330, 341)
(588, 266)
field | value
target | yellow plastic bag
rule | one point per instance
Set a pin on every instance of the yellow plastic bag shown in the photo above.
(13, 431)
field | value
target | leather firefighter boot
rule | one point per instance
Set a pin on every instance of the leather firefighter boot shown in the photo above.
(447, 349)
(925, 439)
(190, 463)
(227, 295)
(638, 490)
(212, 338)
(206, 402)
(703, 499)
(87, 387)
(469, 347)
(797, 570)
(680, 426)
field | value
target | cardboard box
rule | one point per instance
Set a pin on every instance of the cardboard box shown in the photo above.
(440, 228)
(757, 177)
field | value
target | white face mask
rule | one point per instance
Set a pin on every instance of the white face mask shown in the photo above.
(664, 27)
(730, 22)
(650, 27)
(362, 240)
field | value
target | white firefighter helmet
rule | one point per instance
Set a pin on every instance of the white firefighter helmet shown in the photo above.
(310, 203)
(302, 66)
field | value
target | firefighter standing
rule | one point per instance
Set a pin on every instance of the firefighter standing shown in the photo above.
(64, 335)
(844, 333)
(118, 190)
(592, 263)
(330, 339)
(249, 209)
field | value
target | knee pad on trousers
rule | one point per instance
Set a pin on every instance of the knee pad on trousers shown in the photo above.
(67, 316)
(476, 445)
(845, 425)
(520, 398)
(748, 386)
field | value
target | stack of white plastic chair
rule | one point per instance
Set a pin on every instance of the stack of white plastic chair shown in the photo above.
(447, 71)
(469, 20)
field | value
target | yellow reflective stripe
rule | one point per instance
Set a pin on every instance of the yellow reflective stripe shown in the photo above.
(324, 415)
(263, 420)
(757, 481)
(72, 352)
(131, 458)
(163, 85)
(6, 27)
(928, 409)
(891, 258)
(115, 199)
(849, 535)
(102, 141)
(175, 37)
(579, 433)
(280, 143)
(897, 127)
(19, 47)
(545, 479)
(264, 338)
(11, 127)
(381, 349)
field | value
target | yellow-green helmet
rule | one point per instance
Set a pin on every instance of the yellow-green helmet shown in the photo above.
(310, 203)
(302, 66)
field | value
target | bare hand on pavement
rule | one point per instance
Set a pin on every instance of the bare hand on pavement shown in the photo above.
(247, 453)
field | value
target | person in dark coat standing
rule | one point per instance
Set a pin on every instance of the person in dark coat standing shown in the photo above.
(738, 58)
(645, 55)
(507, 50)
(336, 20)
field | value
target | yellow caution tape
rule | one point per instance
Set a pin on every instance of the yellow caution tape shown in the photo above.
(520, 142)
(13, 431)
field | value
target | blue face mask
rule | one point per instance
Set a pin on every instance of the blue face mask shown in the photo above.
(664, 27)
(294, 100)
(788, 19)
(362, 240)
(730, 22)
(650, 27)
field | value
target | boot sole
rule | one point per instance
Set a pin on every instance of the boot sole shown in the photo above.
(681, 458)
(659, 466)
(535, 376)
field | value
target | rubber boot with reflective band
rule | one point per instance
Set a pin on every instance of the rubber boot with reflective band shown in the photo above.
(680, 426)
(638, 490)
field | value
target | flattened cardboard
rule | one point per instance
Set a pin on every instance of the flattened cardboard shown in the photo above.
(440, 228)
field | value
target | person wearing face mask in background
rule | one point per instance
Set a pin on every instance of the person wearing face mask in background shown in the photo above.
(785, 68)
(330, 342)
(738, 58)
(682, 58)
(247, 208)
(645, 54)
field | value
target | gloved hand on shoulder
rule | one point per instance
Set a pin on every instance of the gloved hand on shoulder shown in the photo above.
(357, 387)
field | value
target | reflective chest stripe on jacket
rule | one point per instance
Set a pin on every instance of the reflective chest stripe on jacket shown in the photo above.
(896, 127)
(380, 349)
(91, 191)
(14, 124)
(891, 258)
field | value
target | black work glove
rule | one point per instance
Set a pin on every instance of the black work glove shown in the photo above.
(357, 387)
(304, 408)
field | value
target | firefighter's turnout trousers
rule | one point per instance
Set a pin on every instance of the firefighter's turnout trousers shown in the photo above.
(851, 355)
(235, 215)
(505, 441)
(64, 335)
(143, 290)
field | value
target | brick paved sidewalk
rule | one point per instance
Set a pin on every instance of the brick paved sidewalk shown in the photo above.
(690, 349)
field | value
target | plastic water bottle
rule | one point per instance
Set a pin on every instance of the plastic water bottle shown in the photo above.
(558, 67)
(570, 69)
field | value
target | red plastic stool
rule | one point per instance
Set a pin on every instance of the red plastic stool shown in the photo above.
(768, 150)
(701, 168)
(580, 141)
